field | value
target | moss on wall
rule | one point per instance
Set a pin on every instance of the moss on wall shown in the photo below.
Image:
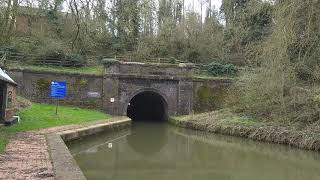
(43, 84)
(79, 84)
(83, 83)
(208, 98)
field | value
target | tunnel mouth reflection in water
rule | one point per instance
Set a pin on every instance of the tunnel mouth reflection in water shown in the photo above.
(147, 106)
(159, 151)
(147, 138)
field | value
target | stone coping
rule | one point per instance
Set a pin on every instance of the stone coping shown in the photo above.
(148, 76)
(165, 65)
(64, 165)
(217, 79)
(169, 77)
(135, 76)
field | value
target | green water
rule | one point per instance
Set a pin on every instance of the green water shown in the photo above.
(160, 151)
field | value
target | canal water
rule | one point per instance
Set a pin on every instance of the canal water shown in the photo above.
(158, 151)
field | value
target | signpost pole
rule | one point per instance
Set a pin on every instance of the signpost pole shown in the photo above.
(57, 104)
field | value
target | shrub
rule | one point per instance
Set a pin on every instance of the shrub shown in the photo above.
(49, 46)
(172, 60)
(76, 60)
(62, 59)
(109, 62)
(7, 49)
(28, 45)
(217, 69)
(230, 69)
(303, 72)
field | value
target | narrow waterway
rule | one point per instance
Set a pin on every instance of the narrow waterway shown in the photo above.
(154, 151)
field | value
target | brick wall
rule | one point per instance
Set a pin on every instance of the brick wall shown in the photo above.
(11, 107)
(209, 95)
(182, 94)
(80, 88)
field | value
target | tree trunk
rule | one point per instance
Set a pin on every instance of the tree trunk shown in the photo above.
(13, 18)
(6, 19)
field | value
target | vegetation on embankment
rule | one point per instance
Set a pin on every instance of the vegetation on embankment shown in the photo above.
(226, 123)
(95, 70)
(39, 116)
(284, 81)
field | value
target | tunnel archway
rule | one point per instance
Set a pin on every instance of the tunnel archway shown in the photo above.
(147, 106)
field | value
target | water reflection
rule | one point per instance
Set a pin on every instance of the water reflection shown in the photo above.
(147, 138)
(159, 151)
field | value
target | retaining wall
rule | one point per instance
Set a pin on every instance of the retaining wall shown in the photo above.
(80, 87)
(112, 91)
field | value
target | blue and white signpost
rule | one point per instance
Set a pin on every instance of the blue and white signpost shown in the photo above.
(58, 91)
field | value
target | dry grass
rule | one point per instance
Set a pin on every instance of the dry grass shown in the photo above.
(224, 122)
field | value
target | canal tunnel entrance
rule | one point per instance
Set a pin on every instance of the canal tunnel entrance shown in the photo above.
(147, 106)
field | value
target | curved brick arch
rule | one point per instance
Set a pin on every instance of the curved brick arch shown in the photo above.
(162, 96)
(123, 80)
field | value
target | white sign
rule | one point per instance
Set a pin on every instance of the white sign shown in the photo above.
(93, 94)
(112, 100)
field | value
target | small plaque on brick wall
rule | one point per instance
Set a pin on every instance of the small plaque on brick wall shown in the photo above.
(93, 94)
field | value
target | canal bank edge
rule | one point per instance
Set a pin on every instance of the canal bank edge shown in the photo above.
(264, 133)
(64, 165)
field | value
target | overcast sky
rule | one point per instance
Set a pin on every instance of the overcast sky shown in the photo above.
(197, 7)
(189, 4)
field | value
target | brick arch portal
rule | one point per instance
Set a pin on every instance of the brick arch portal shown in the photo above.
(147, 104)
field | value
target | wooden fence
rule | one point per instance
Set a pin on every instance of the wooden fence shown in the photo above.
(69, 62)
(40, 60)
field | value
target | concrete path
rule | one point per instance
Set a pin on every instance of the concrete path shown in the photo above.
(27, 157)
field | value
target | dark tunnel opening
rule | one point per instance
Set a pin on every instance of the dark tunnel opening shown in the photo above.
(147, 106)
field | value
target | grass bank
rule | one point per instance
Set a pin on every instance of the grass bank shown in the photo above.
(40, 116)
(95, 70)
(227, 123)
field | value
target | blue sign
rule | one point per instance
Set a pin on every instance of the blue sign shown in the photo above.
(58, 89)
